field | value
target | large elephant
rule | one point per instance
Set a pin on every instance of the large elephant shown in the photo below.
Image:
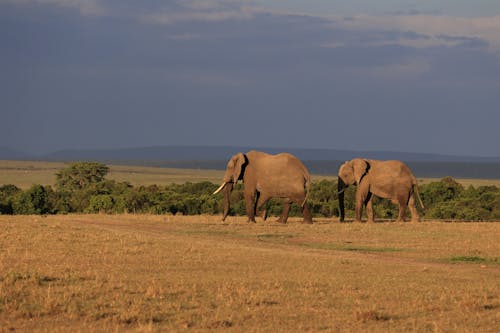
(385, 179)
(264, 177)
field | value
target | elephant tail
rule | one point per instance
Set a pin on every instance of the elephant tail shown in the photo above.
(417, 192)
(307, 187)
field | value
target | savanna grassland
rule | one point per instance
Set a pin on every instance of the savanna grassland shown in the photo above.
(26, 173)
(163, 273)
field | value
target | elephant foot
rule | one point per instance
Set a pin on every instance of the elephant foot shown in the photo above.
(370, 221)
(307, 222)
(251, 220)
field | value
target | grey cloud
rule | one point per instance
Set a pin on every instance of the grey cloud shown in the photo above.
(263, 79)
(472, 42)
(413, 12)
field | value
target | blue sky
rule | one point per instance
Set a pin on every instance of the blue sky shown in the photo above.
(420, 76)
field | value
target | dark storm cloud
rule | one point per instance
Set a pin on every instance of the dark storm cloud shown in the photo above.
(119, 75)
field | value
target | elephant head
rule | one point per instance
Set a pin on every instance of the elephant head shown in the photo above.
(350, 173)
(234, 172)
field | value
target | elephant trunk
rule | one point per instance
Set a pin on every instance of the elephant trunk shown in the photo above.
(341, 188)
(228, 188)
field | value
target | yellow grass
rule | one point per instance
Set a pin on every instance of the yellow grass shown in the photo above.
(102, 273)
(26, 173)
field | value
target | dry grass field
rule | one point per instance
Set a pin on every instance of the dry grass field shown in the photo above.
(141, 273)
(26, 173)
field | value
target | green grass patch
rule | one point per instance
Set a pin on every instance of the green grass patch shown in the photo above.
(473, 259)
(207, 233)
(369, 249)
(354, 248)
(467, 259)
(272, 236)
(275, 238)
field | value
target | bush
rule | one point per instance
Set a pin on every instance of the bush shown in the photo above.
(445, 190)
(101, 203)
(449, 200)
(32, 201)
(7, 193)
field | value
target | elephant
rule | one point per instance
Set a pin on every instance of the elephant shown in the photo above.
(264, 177)
(385, 179)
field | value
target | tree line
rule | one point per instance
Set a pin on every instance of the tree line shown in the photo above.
(83, 188)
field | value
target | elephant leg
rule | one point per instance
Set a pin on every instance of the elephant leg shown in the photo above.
(263, 213)
(250, 205)
(306, 213)
(369, 208)
(413, 209)
(286, 210)
(403, 202)
(257, 196)
(360, 201)
(261, 201)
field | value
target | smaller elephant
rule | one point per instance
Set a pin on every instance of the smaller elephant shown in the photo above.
(385, 179)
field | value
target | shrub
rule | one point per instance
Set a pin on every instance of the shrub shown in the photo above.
(445, 190)
(7, 193)
(32, 201)
(101, 203)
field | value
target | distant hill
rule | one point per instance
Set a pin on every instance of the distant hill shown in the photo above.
(319, 161)
(477, 170)
(10, 154)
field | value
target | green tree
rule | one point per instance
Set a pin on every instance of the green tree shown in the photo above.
(81, 175)
(77, 183)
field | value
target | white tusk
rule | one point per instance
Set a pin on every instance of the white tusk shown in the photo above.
(341, 191)
(220, 188)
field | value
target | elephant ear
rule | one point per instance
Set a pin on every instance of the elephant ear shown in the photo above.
(360, 168)
(239, 162)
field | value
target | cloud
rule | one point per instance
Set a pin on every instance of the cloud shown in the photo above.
(415, 28)
(205, 11)
(86, 7)
(485, 29)
(212, 16)
(155, 12)
(471, 42)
